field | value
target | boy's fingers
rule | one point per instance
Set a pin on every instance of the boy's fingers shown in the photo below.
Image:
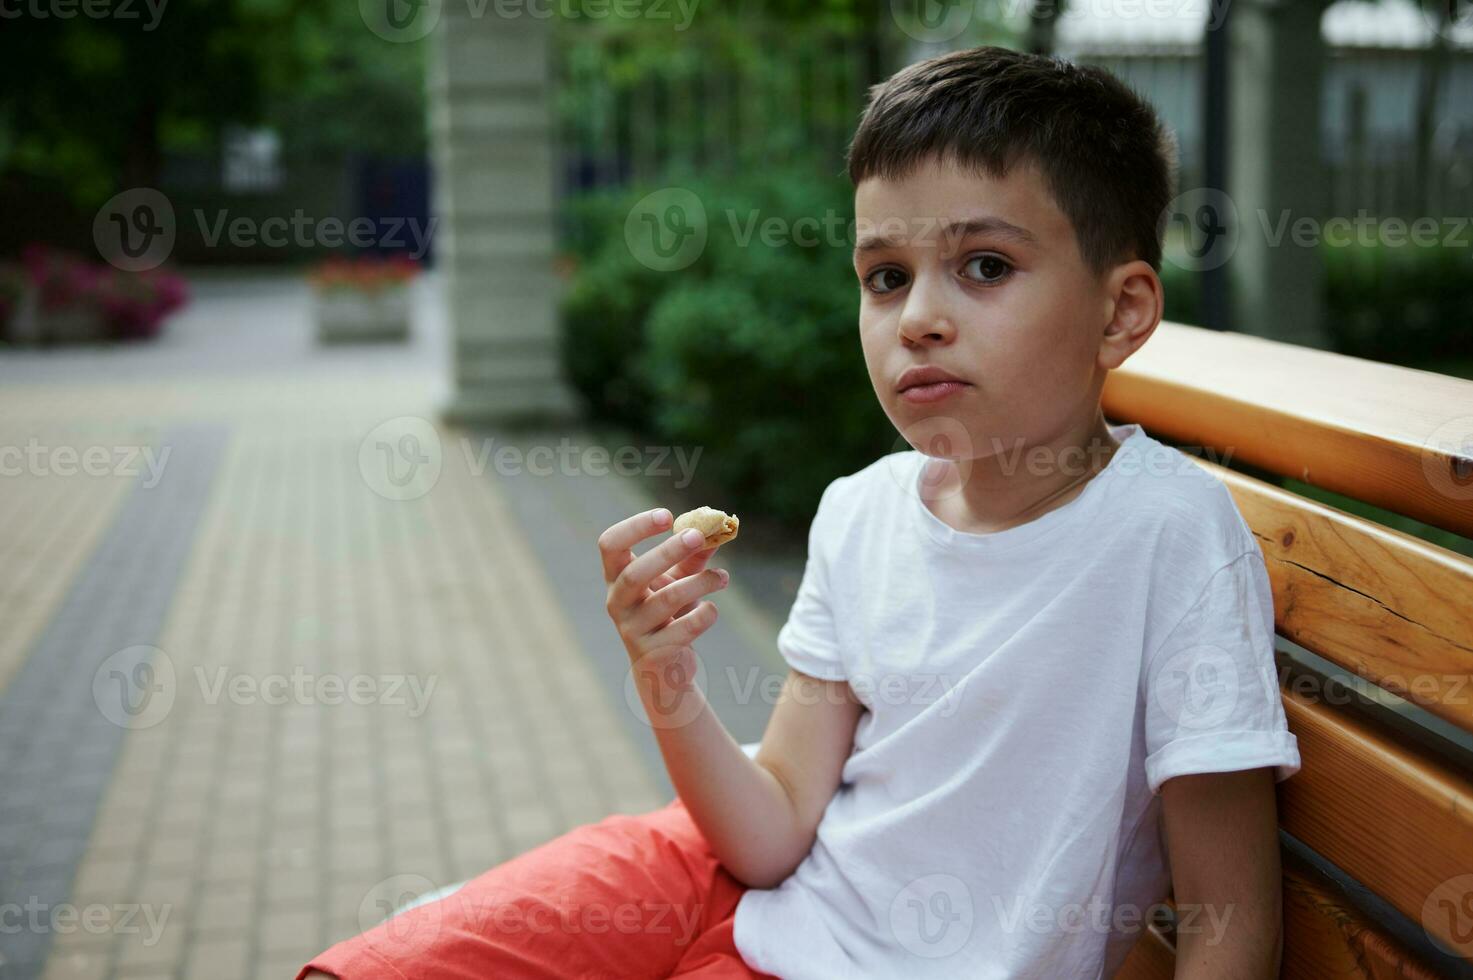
(693, 565)
(631, 583)
(615, 544)
(673, 601)
(683, 630)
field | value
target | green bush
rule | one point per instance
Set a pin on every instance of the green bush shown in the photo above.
(751, 352)
(1402, 304)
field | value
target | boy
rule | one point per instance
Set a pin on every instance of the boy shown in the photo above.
(1032, 681)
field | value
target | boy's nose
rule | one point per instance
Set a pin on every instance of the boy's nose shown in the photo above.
(925, 319)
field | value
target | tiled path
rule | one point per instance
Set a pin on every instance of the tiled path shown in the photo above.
(249, 701)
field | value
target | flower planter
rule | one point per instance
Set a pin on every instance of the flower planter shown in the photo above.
(345, 314)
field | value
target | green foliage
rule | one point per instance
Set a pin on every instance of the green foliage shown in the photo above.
(91, 104)
(1399, 304)
(751, 352)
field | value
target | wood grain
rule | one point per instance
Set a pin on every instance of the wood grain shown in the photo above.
(1391, 436)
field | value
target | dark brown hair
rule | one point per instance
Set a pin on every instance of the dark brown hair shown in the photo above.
(1104, 154)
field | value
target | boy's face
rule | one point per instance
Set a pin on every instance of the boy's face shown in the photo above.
(981, 277)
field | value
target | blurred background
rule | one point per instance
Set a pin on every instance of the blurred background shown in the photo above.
(332, 335)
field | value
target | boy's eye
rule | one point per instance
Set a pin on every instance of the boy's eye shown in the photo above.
(884, 280)
(988, 268)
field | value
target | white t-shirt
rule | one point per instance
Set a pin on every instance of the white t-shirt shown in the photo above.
(1028, 692)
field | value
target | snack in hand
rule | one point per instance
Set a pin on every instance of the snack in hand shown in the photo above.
(718, 527)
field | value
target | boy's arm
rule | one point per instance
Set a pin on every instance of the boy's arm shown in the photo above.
(1222, 835)
(759, 815)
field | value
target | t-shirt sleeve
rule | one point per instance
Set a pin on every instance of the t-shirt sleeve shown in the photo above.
(1212, 699)
(808, 641)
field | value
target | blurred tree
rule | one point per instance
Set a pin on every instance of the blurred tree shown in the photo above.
(91, 104)
(87, 100)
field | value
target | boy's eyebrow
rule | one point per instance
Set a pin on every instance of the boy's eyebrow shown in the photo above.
(955, 231)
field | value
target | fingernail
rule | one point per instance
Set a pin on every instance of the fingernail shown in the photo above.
(723, 575)
(661, 516)
(692, 537)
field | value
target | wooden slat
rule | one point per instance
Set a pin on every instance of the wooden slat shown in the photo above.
(1392, 608)
(1394, 818)
(1394, 437)
(1326, 937)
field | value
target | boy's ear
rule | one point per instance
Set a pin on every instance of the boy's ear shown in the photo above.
(1135, 303)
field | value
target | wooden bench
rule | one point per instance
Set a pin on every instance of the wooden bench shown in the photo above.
(1377, 827)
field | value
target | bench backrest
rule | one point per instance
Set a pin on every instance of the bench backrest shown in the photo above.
(1377, 827)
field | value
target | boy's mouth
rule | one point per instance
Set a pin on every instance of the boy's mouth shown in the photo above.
(928, 383)
(932, 392)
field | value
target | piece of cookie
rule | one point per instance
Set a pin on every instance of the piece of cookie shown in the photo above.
(717, 526)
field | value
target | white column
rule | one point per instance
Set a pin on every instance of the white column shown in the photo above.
(493, 149)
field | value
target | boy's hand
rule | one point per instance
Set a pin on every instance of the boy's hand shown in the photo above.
(654, 598)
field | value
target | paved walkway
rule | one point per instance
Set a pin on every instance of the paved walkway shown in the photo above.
(310, 657)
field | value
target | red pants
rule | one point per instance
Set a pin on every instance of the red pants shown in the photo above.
(630, 896)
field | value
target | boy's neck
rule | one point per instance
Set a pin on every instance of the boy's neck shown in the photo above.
(1001, 490)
